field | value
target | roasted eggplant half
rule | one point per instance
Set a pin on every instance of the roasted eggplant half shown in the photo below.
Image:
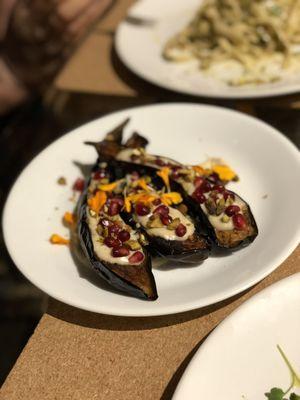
(160, 215)
(114, 249)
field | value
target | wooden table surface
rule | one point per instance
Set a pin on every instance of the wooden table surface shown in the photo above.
(75, 354)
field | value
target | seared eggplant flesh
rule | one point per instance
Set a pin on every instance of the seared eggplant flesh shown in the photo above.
(114, 249)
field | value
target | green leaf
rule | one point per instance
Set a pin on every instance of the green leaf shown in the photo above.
(275, 394)
(294, 396)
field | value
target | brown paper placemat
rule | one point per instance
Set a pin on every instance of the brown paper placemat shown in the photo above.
(79, 355)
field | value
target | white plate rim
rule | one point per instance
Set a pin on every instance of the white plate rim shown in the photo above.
(213, 336)
(276, 92)
(174, 309)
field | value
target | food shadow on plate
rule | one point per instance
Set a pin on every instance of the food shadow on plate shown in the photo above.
(163, 263)
(85, 169)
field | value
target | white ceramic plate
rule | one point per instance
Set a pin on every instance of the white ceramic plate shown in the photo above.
(140, 48)
(267, 163)
(240, 359)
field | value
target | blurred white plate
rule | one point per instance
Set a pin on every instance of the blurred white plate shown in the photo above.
(266, 161)
(140, 48)
(240, 359)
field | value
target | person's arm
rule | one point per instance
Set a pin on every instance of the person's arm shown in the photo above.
(36, 39)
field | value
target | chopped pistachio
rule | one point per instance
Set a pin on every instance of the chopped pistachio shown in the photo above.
(92, 213)
(100, 240)
(105, 232)
(220, 206)
(100, 229)
(173, 225)
(143, 240)
(154, 222)
(133, 244)
(147, 179)
(62, 180)
(211, 206)
(225, 218)
(104, 181)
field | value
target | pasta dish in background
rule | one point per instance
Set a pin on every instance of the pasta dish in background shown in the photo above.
(241, 41)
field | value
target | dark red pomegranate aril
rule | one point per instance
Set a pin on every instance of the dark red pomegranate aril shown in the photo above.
(226, 195)
(100, 174)
(161, 210)
(124, 236)
(117, 200)
(198, 181)
(199, 196)
(232, 210)
(120, 252)
(206, 186)
(180, 230)
(114, 229)
(219, 188)
(165, 219)
(239, 221)
(113, 209)
(156, 202)
(78, 185)
(136, 257)
(112, 242)
(141, 209)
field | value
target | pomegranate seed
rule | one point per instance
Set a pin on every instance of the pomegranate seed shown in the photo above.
(206, 186)
(141, 209)
(113, 228)
(165, 219)
(198, 181)
(100, 174)
(199, 196)
(112, 242)
(78, 185)
(180, 230)
(161, 210)
(156, 202)
(120, 252)
(228, 194)
(232, 210)
(214, 178)
(136, 257)
(118, 200)
(160, 162)
(239, 221)
(113, 209)
(124, 236)
(218, 188)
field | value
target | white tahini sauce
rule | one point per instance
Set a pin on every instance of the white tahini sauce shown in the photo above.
(101, 250)
(165, 233)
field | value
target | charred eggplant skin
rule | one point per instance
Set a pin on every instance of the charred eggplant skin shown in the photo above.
(104, 269)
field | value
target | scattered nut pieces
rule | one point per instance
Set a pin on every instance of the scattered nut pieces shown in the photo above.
(173, 225)
(62, 181)
(225, 218)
